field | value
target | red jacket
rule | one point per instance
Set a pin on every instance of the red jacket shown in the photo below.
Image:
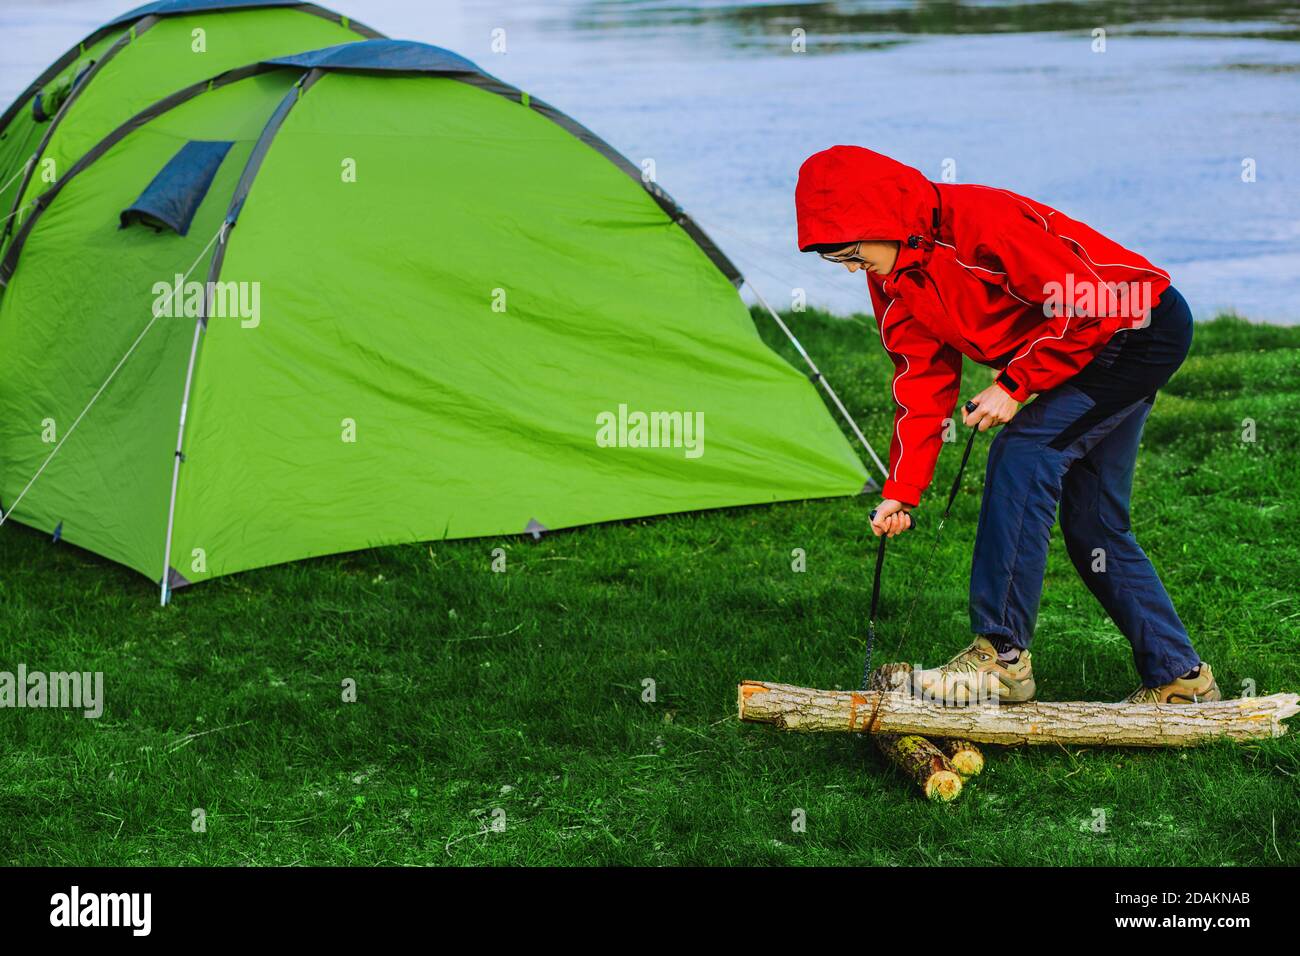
(1011, 283)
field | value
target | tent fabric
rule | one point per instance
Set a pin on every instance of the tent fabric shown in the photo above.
(441, 314)
(20, 131)
(176, 192)
(139, 65)
(14, 248)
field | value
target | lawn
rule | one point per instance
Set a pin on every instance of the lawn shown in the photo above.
(500, 717)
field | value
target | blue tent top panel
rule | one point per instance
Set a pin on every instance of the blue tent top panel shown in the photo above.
(402, 56)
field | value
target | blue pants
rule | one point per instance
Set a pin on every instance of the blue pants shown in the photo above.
(1075, 446)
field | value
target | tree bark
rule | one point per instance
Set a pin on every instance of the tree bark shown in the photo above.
(1079, 723)
(921, 761)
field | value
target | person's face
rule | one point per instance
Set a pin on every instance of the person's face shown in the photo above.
(871, 255)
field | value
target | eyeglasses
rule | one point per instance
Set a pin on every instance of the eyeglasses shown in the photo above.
(851, 257)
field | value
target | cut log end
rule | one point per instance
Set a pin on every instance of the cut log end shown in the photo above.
(943, 786)
(965, 757)
(923, 763)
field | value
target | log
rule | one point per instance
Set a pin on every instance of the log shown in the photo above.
(1078, 723)
(965, 757)
(915, 756)
(921, 761)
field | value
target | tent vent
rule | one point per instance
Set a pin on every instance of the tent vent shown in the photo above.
(176, 193)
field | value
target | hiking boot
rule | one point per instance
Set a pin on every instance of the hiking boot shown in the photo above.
(975, 676)
(1184, 690)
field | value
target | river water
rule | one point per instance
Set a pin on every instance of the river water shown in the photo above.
(1149, 140)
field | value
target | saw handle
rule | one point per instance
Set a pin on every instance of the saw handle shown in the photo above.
(911, 522)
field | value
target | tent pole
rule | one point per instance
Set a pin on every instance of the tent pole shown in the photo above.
(199, 324)
(820, 379)
(177, 458)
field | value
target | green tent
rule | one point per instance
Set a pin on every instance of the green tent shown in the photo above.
(370, 294)
(132, 62)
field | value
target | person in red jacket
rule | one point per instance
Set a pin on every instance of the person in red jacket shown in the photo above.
(1060, 312)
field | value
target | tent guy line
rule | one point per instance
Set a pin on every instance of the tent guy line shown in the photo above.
(19, 210)
(14, 178)
(817, 375)
(820, 379)
(111, 375)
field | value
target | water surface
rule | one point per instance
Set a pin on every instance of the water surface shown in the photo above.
(1145, 141)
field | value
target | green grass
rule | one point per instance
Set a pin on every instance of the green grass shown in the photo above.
(521, 691)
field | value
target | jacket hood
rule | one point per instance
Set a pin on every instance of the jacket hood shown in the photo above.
(848, 193)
